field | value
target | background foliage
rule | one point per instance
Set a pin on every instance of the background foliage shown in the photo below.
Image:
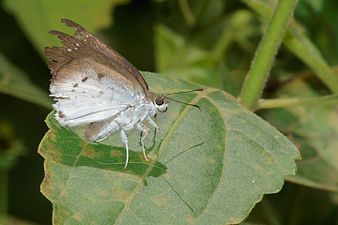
(207, 42)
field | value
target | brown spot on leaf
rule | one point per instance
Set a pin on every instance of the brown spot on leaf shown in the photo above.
(160, 200)
(50, 134)
(77, 217)
(233, 220)
(115, 153)
(89, 152)
(84, 79)
(54, 156)
(190, 219)
(123, 195)
(46, 179)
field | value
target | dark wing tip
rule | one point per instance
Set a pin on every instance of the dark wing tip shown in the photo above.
(65, 38)
(55, 33)
(68, 40)
(71, 23)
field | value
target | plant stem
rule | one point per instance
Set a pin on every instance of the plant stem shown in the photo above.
(287, 102)
(266, 52)
(3, 195)
(298, 43)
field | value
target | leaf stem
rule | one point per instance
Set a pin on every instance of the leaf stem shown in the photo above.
(266, 52)
(3, 195)
(288, 102)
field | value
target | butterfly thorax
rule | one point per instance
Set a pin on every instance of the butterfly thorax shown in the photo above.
(135, 115)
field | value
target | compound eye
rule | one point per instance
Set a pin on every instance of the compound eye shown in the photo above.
(159, 101)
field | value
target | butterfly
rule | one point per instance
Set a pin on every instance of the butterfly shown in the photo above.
(94, 85)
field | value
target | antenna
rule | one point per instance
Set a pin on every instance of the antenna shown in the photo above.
(183, 92)
(197, 106)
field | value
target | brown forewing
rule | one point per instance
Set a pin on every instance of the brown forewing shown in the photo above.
(84, 45)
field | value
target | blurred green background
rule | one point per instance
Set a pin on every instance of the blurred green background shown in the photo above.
(208, 42)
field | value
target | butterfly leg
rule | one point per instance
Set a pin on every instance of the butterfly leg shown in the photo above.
(125, 142)
(144, 131)
(152, 123)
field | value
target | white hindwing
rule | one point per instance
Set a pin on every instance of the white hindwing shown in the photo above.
(86, 95)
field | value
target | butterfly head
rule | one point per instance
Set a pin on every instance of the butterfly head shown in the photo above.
(161, 103)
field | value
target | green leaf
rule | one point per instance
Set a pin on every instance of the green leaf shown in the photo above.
(208, 166)
(37, 17)
(314, 129)
(16, 83)
(177, 58)
(210, 57)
